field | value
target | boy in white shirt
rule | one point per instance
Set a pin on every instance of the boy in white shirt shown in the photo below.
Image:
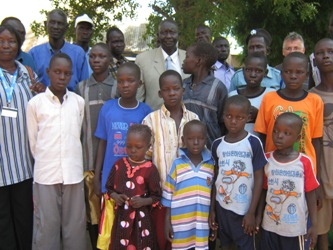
(54, 120)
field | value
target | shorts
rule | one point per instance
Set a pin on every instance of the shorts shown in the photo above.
(324, 216)
(230, 229)
(273, 241)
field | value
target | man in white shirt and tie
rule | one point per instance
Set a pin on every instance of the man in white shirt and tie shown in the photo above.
(154, 62)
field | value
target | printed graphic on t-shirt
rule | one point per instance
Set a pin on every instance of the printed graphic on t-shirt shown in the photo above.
(275, 205)
(228, 181)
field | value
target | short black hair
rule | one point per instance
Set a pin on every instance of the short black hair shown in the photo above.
(193, 123)
(13, 32)
(168, 20)
(103, 46)
(257, 55)
(10, 18)
(113, 29)
(238, 100)
(219, 38)
(296, 55)
(170, 72)
(141, 129)
(206, 51)
(320, 41)
(260, 33)
(290, 116)
(133, 67)
(60, 55)
(60, 12)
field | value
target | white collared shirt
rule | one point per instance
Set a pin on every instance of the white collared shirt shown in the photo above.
(54, 131)
(175, 60)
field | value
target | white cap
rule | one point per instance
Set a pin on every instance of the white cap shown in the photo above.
(83, 18)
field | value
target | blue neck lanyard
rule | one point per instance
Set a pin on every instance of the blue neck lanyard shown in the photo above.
(9, 87)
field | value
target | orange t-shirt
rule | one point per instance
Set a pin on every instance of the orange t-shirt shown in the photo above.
(309, 107)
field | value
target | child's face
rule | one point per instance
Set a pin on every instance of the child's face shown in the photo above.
(257, 44)
(294, 73)
(171, 91)
(254, 72)
(324, 55)
(190, 63)
(235, 117)
(60, 73)
(194, 139)
(127, 82)
(136, 146)
(99, 59)
(285, 133)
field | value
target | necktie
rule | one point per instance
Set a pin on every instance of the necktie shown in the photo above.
(168, 63)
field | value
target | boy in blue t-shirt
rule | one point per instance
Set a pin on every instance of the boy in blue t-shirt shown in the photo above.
(239, 163)
(115, 117)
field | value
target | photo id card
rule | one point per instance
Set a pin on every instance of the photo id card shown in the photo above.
(9, 112)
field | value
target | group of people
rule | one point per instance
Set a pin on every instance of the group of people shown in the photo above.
(180, 148)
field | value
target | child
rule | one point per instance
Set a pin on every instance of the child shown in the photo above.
(239, 162)
(115, 118)
(255, 68)
(134, 185)
(54, 120)
(100, 87)
(323, 56)
(167, 125)
(294, 99)
(204, 94)
(290, 183)
(186, 192)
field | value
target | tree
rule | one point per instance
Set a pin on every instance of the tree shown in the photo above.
(239, 17)
(99, 11)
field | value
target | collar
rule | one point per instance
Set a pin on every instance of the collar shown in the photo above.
(166, 112)
(206, 155)
(60, 50)
(270, 72)
(108, 80)
(219, 65)
(50, 94)
(174, 56)
(19, 56)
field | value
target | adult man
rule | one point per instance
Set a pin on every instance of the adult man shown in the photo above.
(154, 62)
(259, 40)
(22, 57)
(223, 70)
(203, 33)
(116, 41)
(83, 33)
(293, 42)
(56, 26)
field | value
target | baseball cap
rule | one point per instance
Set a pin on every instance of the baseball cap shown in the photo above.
(83, 18)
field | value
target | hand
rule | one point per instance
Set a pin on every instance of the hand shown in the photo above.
(97, 185)
(211, 220)
(249, 223)
(168, 232)
(258, 223)
(137, 201)
(312, 236)
(119, 199)
(38, 87)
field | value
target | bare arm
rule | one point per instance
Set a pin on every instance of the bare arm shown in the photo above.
(249, 218)
(168, 232)
(317, 144)
(312, 232)
(99, 166)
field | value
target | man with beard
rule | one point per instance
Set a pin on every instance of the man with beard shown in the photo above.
(56, 26)
(223, 70)
(83, 33)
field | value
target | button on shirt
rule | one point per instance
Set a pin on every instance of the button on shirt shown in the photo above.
(224, 73)
(54, 131)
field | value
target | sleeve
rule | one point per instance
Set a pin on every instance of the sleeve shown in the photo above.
(32, 127)
(141, 92)
(148, 121)
(258, 159)
(101, 130)
(260, 124)
(169, 186)
(233, 81)
(318, 127)
(310, 180)
(84, 72)
(221, 102)
(154, 186)
(111, 179)
(265, 185)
